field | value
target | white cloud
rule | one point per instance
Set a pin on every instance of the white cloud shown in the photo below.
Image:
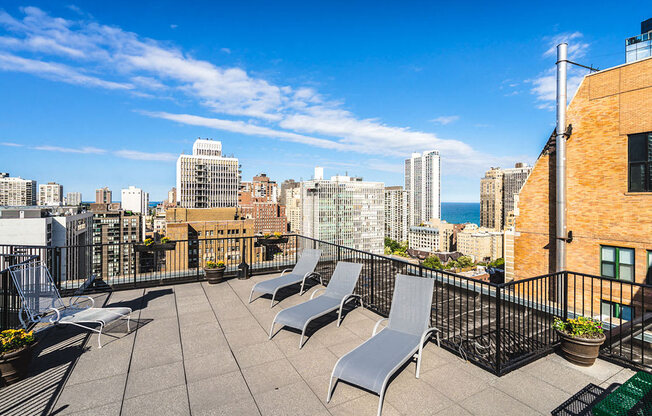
(443, 120)
(544, 86)
(136, 155)
(84, 150)
(10, 144)
(87, 53)
(226, 50)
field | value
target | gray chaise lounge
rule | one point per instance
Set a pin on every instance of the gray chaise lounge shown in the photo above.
(340, 289)
(371, 364)
(304, 268)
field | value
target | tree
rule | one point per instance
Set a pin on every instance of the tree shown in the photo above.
(433, 262)
(464, 261)
(498, 263)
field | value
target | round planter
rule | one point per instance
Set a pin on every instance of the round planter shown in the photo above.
(215, 275)
(580, 351)
(14, 365)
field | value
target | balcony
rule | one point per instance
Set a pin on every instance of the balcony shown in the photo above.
(202, 349)
(196, 348)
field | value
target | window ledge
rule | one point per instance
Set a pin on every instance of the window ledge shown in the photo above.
(638, 193)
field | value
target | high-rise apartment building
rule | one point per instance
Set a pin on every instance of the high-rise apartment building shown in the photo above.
(294, 208)
(111, 229)
(50, 194)
(172, 197)
(103, 195)
(73, 198)
(258, 200)
(498, 192)
(491, 199)
(513, 180)
(345, 211)
(287, 185)
(206, 179)
(135, 199)
(17, 191)
(260, 189)
(640, 47)
(423, 183)
(396, 213)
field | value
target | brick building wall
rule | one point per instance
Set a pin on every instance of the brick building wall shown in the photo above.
(607, 107)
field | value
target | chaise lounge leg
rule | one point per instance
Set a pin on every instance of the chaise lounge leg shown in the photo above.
(330, 390)
(380, 401)
(271, 330)
(99, 336)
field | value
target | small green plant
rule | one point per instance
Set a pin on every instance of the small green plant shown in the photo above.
(267, 235)
(579, 327)
(15, 339)
(215, 265)
(165, 240)
(148, 242)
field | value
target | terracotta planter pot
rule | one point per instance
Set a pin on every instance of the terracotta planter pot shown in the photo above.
(215, 275)
(580, 351)
(14, 365)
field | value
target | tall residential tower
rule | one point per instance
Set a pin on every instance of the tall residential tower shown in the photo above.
(206, 179)
(423, 183)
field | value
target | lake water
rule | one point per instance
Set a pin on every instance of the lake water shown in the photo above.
(460, 212)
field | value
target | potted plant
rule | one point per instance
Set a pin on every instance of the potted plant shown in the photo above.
(275, 238)
(581, 339)
(214, 271)
(150, 245)
(15, 354)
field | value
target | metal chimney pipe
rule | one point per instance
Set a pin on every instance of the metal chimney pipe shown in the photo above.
(560, 144)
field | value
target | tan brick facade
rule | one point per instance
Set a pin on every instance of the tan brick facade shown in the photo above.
(608, 106)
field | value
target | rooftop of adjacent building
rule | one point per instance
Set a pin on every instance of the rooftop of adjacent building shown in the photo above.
(203, 349)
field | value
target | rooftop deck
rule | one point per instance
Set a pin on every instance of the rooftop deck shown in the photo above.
(203, 350)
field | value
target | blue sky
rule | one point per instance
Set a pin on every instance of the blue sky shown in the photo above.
(109, 94)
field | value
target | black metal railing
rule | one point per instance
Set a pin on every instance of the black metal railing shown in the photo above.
(499, 327)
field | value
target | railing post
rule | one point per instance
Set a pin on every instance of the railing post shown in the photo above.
(498, 327)
(244, 267)
(372, 280)
(565, 295)
(5, 299)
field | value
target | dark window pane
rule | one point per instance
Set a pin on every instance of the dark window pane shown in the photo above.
(608, 270)
(638, 144)
(637, 177)
(626, 313)
(649, 147)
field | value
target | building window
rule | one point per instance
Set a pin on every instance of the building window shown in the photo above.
(617, 263)
(616, 310)
(640, 162)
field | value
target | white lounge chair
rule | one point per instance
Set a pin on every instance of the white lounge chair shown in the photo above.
(42, 303)
(371, 364)
(304, 269)
(340, 289)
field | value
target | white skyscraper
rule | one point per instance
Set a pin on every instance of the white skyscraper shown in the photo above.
(345, 211)
(73, 198)
(206, 179)
(423, 183)
(396, 213)
(50, 194)
(134, 199)
(16, 191)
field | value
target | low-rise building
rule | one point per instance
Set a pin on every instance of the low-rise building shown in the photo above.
(73, 199)
(481, 244)
(424, 239)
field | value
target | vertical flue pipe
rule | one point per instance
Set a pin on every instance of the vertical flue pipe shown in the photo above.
(560, 144)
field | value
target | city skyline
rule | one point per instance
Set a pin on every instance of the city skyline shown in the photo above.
(340, 102)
